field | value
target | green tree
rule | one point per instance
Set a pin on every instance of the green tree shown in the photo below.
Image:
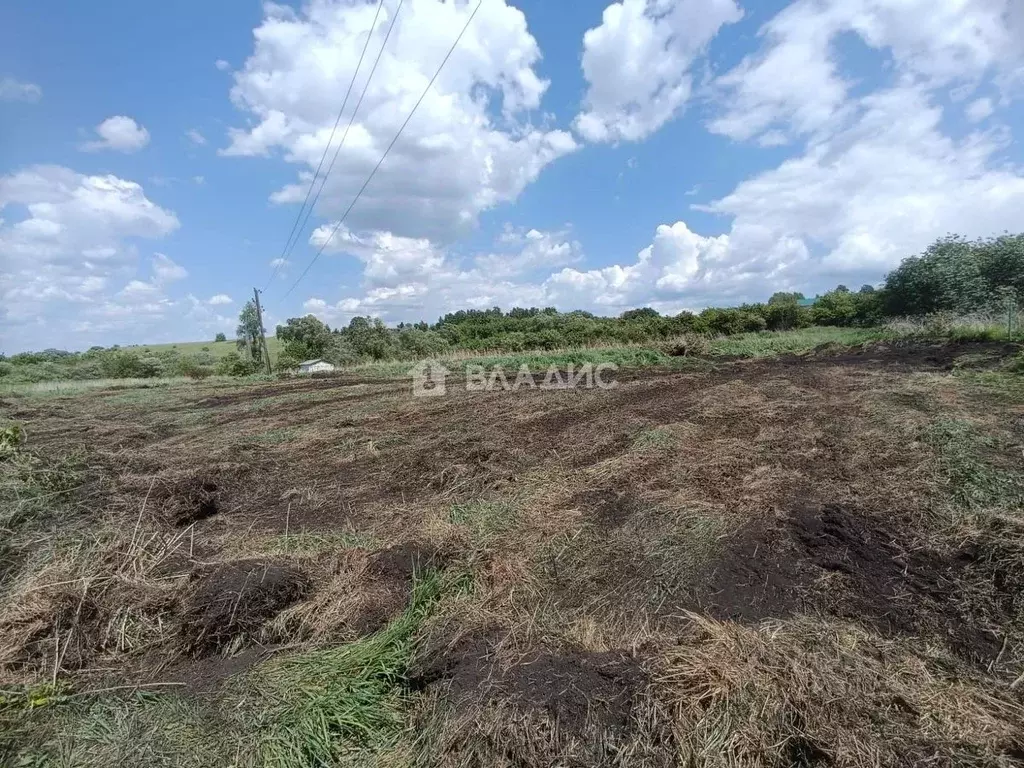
(946, 277)
(369, 337)
(640, 314)
(783, 312)
(1001, 262)
(782, 297)
(234, 364)
(220, 337)
(313, 336)
(248, 332)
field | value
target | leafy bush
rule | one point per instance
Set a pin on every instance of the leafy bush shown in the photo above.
(194, 368)
(234, 364)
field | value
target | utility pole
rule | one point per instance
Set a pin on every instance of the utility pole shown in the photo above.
(264, 353)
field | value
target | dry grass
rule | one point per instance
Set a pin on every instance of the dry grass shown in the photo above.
(808, 692)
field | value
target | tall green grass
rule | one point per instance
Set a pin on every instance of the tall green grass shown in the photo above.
(770, 343)
(316, 708)
(326, 707)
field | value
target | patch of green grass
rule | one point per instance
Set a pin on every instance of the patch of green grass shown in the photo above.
(140, 730)
(216, 348)
(484, 519)
(769, 343)
(311, 544)
(32, 490)
(71, 388)
(654, 440)
(338, 705)
(975, 484)
(327, 707)
(538, 362)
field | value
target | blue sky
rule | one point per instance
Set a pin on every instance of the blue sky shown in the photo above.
(594, 155)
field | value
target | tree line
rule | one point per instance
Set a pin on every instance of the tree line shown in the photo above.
(953, 275)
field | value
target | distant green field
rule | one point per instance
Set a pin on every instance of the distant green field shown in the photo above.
(215, 348)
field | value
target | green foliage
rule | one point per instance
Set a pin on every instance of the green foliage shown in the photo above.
(781, 297)
(953, 277)
(220, 337)
(727, 322)
(316, 706)
(305, 337)
(784, 313)
(248, 332)
(11, 436)
(195, 367)
(845, 308)
(234, 364)
(957, 275)
(126, 364)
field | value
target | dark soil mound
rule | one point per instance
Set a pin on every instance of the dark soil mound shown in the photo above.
(186, 500)
(580, 691)
(398, 564)
(387, 582)
(461, 665)
(235, 599)
(832, 560)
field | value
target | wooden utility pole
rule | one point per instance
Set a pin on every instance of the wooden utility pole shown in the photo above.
(264, 352)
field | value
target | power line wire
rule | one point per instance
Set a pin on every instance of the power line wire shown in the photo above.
(348, 127)
(386, 151)
(337, 120)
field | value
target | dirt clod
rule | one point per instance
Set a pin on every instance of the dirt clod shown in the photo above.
(579, 690)
(387, 581)
(235, 600)
(186, 500)
(846, 562)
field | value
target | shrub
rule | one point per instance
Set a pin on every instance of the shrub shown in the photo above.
(193, 368)
(233, 364)
(123, 364)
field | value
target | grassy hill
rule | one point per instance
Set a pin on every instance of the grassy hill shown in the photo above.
(216, 348)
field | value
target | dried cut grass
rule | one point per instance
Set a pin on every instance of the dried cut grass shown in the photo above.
(108, 597)
(809, 692)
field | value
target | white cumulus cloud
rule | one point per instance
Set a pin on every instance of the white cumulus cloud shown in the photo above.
(979, 109)
(637, 63)
(167, 271)
(793, 86)
(72, 245)
(119, 133)
(472, 145)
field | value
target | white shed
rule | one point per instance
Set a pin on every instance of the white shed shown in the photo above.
(315, 366)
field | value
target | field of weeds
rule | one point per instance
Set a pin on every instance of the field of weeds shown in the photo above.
(811, 559)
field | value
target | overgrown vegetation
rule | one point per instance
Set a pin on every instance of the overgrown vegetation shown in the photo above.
(956, 289)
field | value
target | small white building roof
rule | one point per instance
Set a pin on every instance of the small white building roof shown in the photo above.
(312, 362)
